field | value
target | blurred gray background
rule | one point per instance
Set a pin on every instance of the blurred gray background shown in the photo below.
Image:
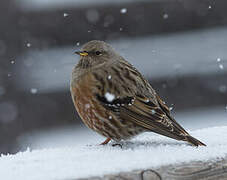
(179, 45)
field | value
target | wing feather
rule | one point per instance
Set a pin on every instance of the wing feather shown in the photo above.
(152, 118)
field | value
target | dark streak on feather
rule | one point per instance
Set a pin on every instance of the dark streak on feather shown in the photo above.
(118, 74)
(128, 76)
(99, 78)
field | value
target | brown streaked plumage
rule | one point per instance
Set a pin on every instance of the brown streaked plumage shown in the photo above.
(115, 100)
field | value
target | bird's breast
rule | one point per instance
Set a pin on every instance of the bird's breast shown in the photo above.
(85, 102)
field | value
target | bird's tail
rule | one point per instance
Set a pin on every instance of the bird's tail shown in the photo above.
(194, 141)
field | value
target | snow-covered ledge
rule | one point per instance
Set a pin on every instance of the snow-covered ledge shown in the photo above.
(82, 161)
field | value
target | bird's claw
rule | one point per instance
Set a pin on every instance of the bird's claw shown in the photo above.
(117, 144)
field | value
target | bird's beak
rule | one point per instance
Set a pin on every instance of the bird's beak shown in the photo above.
(81, 53)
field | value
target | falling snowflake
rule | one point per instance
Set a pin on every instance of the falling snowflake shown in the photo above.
(33, 90)
(87, 106)
(222, 88)
(108, 20)
(109, 97)
(209, 7)
(123, 10)
(12, 62)
(109, 77)
(28, 44)
(121, 29)
(78, 43)
(221, 66)
(153, 111)
(218, 59)
(165, 16)
(65, 14)
(164, 86)
(110, 117)
(92, 15)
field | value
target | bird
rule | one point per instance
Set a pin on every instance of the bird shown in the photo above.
(114, 99)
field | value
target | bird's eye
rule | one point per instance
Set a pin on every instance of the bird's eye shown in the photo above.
(98, 53)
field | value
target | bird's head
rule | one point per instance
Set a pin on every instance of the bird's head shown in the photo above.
(94, 53)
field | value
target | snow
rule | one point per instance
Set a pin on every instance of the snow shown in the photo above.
(84, 160)
(221, 66)
(33, 90)
(165, 16)
(153, 111)
(68, 152)
(222, 88)
(87, 106)
(109, 77)
(92, 15)
(65, 14)
(109, 97)
(123, 10)
(28, 44)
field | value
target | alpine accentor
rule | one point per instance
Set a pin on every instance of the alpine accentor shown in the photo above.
(115, 100)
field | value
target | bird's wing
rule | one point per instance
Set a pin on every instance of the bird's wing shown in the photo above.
(146, 114)
(165, 109)
(152, 117)
(140, 104)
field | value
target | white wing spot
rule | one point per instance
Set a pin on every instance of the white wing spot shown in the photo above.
(109, 97)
